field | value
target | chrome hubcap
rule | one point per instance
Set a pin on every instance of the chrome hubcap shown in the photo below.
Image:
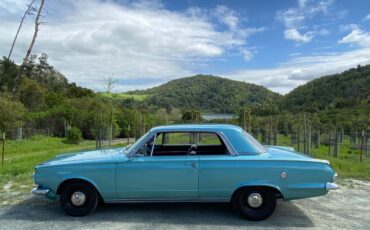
(255, 200)
(78, 198)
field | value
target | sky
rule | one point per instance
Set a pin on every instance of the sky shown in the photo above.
(141, 44)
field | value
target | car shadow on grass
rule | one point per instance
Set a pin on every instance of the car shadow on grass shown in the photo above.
(37, 209)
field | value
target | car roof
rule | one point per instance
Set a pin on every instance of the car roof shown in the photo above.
(196, 127)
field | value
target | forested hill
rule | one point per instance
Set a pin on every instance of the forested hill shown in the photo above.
(345, 90)
(208, 93)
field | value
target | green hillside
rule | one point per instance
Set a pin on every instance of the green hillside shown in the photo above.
(349, 89)
(208, 93)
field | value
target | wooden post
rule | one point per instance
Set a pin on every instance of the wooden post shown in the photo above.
(128, 134)
(337, 140)
(276, 131)
(298, 131)
(362, 144)
(249, 121)
(318, 139)
(329, 143)
(3, 152)
(110, 129)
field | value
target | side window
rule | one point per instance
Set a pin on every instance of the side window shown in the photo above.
(208, 139)
(146, 149)
(159, 139)
(177, 139)
(188, 143)
(173, 144)
(210, 144)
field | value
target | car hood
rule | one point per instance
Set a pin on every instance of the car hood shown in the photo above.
(284, 153)
(94, 156)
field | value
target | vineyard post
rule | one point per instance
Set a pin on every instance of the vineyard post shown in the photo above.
(330, 141)
(318, 139)
(276, 131)
(298, 131)
(304, 134)
(337, 142)
(3, 152)
(362, 144)
(128, 134)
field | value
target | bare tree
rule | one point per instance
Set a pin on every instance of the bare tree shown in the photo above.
(28, 11)
(110, 84)
(25, 60)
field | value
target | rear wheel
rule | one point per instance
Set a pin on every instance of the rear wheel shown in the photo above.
(255, 203)
(78, 198)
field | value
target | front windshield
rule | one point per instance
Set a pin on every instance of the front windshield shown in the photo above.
(133, 146)
(254, 142)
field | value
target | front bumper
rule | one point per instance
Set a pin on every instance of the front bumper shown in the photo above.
(331, 186)
(40, 191)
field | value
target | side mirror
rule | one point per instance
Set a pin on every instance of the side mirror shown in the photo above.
(192, 153)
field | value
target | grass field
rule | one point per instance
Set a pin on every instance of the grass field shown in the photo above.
(136, 97)
(22, 156)
(347, 164)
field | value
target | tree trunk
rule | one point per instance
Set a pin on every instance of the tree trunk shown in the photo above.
(19, 27)
(25, 60)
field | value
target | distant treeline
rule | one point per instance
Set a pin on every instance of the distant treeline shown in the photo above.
(45, 102)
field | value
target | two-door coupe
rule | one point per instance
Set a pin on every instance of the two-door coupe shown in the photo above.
(185, 163)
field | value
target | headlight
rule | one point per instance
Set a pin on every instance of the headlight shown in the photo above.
(335, 176)
(33, 177)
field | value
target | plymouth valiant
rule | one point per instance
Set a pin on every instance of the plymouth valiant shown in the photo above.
(185, 163)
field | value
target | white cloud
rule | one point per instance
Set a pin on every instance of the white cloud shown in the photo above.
(348, 27)
(248, 55)
(367, 17)
(91, 39)
(227, 16)
(358, 37)
(294, 20)
(299, 70)
(295, 35)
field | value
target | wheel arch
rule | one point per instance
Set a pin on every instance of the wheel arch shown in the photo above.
(275, 188)
(83, 180)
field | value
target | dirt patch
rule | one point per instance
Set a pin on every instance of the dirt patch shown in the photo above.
(346, 208)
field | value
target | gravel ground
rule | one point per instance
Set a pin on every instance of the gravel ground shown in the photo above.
(346, 208)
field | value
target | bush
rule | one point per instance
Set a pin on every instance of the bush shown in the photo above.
(74, 136)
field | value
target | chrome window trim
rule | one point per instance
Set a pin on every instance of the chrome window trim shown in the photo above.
(155, 137)
(227, 143)
(134, 151)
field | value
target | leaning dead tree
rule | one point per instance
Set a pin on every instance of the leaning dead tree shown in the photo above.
(28, 11)
(25, 60)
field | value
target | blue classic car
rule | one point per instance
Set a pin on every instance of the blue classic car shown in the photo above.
(185, 163)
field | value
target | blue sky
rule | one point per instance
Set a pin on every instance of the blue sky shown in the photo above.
(277, 44)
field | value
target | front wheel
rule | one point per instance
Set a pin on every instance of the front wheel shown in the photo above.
(255, 203)
(78, 198)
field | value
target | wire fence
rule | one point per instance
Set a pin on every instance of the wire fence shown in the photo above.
(309, 141)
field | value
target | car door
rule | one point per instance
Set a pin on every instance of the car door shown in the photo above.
(218, 167)
(150, 177)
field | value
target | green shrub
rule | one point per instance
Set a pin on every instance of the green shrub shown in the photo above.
(74, 136)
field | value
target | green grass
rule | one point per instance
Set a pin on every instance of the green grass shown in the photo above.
(136, 97)
(347, 164)
(22, 156)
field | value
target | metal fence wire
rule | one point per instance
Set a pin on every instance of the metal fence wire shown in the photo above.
(309, 140)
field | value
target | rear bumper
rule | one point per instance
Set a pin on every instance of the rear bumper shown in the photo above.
(331, 186)
(40, 191)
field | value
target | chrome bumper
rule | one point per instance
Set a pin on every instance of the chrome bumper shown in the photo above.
(40, 191)
(331, 186)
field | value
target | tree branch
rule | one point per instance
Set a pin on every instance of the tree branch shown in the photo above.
(25, 60)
